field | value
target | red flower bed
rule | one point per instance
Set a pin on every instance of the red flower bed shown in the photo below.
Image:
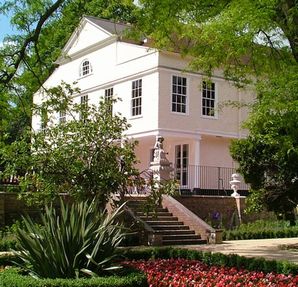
(193, 273)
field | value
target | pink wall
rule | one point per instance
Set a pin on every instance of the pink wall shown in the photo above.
(215, 152)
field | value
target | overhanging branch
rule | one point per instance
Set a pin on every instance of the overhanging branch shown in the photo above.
(6, 77)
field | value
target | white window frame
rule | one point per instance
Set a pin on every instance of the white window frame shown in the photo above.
(179, 94)
(85, 68)
(136, 98)
(44, 120)
(108, 95)
(83, 101)
(62, 117)
(215, 100)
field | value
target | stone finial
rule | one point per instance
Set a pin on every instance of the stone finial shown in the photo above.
(235, 184)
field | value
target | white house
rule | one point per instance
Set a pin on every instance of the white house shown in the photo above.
(159, 97)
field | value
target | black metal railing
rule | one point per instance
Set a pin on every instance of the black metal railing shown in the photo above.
(207, 178)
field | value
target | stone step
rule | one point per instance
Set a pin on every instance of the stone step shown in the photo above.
(163, 222)
(160, 213)
(158, 218)
(141, 208)
(184, 242)
(181, 237)
(175, 231)
(169, 227)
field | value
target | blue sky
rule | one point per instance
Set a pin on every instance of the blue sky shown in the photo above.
(5, 27)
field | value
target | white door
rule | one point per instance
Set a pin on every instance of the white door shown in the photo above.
(181, 164)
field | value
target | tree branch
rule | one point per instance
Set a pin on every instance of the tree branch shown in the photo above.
(5, 78)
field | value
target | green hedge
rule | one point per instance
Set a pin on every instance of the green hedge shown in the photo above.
(258, 234)
(7, 244)
(11, 277)
(232, 260)
(262, 229)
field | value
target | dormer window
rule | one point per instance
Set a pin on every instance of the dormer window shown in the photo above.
(85, 68)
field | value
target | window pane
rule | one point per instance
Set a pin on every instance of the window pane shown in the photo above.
(136, 95)
(208, 99)
(179, 94)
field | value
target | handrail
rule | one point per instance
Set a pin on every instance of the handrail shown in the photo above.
(152, 237)
(190, 219)
(135, 217)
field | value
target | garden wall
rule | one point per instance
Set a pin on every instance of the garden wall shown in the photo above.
(206, 207)
(220, 211)
(12, 208)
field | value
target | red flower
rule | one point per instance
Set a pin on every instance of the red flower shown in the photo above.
(192, 273)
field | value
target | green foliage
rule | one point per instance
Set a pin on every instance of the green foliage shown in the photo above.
(7, 242)
(251, 42)
(82, 157)
(157, 190)
(232, 260)
(12, 277)
(261, 229)
(225, 34)
(268, 157)
(8, 236)
(78, 241)
(27, 58)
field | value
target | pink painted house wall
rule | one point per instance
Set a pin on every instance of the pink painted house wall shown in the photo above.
(117, 63)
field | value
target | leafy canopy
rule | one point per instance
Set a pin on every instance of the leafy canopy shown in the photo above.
(27, 58)
(86, 156)
(255, 43)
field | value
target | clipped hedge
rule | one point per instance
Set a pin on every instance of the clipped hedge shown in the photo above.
(260, 234)
(218, 259)
(262, 229)
(12, 277)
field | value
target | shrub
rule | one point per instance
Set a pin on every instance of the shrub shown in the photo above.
(12, 277)
(261, 229)
(78, 242)
(7, 244)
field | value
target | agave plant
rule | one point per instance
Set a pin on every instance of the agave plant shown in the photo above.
(71, 243)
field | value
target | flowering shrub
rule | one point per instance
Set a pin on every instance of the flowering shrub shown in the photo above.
(193, 273)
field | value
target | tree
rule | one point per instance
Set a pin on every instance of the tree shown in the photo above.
(268, 157)
(225, 34)
(86, 156)
(255, 43)
(27, 58)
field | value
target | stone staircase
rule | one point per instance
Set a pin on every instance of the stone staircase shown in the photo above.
(165, 225)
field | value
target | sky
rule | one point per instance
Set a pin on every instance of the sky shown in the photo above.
(5, 27)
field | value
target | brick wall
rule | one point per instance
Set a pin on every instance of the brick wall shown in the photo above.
(11, 208)
(209, 207)
(205, 207)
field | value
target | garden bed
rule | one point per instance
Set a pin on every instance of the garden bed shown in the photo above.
(185, 272)
(166, 265)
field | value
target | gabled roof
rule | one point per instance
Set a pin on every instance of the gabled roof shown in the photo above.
(110, 26)
(105, 31)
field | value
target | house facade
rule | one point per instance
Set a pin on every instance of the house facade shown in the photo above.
(159, 97)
